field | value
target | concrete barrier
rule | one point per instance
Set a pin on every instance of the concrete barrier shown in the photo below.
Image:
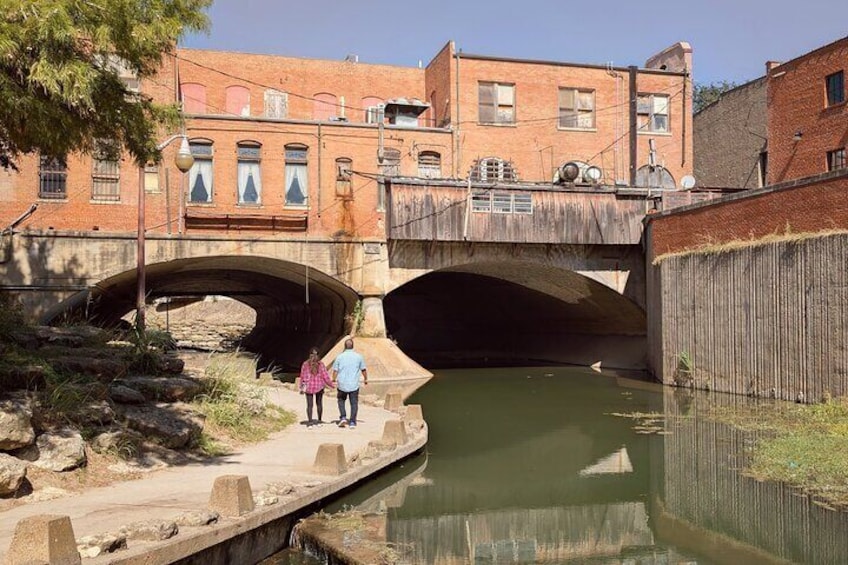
(231, 496)
(413, 413)
(330, 459)
(393, 401)
(43, 539)
(394, 432)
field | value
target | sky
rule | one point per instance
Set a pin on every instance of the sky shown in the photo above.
(731, 40)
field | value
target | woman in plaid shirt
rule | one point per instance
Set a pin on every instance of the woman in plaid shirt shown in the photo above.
(313, 378)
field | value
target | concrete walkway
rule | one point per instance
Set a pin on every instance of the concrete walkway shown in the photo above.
(287, 457)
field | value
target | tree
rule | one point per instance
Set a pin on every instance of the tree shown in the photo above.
(705, 94)
(60, 64)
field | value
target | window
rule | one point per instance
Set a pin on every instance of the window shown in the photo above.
(486, 201)
(193, 98)
(836, 160)
(324, 106)
(105, 177)
(344, 171)
(493, 169)
(52, 178)
(249, 177)
(496, 103)
(237, 101)
(652, 112)
(297, 186)
(481, 201)
(762, 167)
(429, 165)
(151, 178)
(835, 86)
(390, 167)
(576, 108)
(200, 175)
(276, 104)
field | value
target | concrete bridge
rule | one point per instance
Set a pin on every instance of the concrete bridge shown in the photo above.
(558, 275)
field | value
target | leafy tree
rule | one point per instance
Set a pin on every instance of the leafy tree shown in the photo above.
(60, 85)
(705, 94)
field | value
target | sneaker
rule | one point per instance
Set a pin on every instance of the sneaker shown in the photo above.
(342, 423)
(352, 425)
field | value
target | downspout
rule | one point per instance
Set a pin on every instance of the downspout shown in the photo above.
(457, 129)
(634, 95)
(320, 143)
(683, 140)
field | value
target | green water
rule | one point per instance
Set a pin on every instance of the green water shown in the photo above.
(531, 466)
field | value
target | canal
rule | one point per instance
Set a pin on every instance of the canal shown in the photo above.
(566, 465)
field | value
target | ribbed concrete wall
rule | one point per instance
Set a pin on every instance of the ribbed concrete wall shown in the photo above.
(769, 320)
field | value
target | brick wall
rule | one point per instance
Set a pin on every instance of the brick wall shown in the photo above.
(803, 206)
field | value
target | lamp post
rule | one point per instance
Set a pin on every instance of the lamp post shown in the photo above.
(184, 160)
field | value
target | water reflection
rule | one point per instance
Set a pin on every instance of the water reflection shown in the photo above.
(528, 466)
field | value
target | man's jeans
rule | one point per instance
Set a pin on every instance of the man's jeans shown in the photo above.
(354, 404)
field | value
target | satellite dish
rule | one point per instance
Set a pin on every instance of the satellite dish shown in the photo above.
(687, 182)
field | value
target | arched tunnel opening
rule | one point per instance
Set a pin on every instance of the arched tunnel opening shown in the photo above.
(296, 307)
(511, 315)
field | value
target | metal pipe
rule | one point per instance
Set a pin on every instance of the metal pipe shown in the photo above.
(140, 263)
(457, 136)
(634, 97)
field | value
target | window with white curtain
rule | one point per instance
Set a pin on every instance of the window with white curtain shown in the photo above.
(249, 176)
(297, 182)
(200, 175)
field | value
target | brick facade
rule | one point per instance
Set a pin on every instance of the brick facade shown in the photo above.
(323, 107)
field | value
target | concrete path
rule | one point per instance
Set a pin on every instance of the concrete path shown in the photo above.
(287, 456)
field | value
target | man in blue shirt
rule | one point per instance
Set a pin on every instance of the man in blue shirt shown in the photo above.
(346, 369)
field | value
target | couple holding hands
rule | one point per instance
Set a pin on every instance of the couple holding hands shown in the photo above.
(314, 377)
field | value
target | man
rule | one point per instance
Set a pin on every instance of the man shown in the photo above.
(346, 369)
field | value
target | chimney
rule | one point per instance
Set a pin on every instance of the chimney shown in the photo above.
(771, 65)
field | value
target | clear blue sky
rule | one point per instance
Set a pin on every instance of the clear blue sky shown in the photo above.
(732, 40)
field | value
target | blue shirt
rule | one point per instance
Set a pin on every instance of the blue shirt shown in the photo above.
(349, 364)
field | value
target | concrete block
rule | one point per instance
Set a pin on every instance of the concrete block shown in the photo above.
(231, 496)
(44, 539)
(394, 432)
(330, 459)
(393, 401)
(413, 413)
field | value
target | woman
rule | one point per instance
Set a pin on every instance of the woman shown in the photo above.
(313, 378)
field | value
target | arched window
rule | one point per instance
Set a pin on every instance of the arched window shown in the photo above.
(654, 177)
(237, 101)
(193, 98)
(429, 165)
(325, 106)
(249, 173)
(390, 167)
(493, 169)
(297, 180)
(200, 175)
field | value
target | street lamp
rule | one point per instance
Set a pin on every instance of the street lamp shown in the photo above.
(184, 161)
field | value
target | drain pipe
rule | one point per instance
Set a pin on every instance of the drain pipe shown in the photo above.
(634, 96)
(10, 231)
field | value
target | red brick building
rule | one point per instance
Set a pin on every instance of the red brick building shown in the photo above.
(287, 144)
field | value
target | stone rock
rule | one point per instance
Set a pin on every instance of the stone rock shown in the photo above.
(197, 518)
(171, 425)
(281, 489)
(61, 450)
(126, 395)
(69, 336)
(95, 413)
(104, 370)
(16, 423)
(12, 474)
(116, 441)
(265, 499)
(92, 546)
(151, 530)
(26, 377)
(165, 389)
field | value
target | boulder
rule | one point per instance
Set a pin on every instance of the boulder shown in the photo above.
(150, 530)
(16, 423)
(120, 442)
(196, 518)
(92, 546)
(12, 474)
(60, 450)
(126, 395)
(165, 389)
(171, 425)
(104, 370)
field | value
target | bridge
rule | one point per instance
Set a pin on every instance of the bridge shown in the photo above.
(466, 272)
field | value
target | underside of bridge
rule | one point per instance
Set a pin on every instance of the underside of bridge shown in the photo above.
(493, 314)
(296, 308)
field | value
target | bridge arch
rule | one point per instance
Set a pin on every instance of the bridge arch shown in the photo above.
(514, 312)
(296, 306)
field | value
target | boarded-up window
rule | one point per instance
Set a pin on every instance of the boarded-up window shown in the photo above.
(238, 101)
(390, 167)
(496, 103)
(576, 108)
(276, 104)
(105, 177)
(194, 98)
(324, 106)
(429, 165)
(493, 169)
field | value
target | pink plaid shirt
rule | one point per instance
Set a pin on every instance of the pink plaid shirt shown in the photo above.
(310, 382)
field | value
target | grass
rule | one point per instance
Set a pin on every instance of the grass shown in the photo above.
(805, 446)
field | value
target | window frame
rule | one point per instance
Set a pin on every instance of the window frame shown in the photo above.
(202, 158)
(429, 165)
(837, 159)
(55, 187)
(497, 105)
(651, 114)
(105, 173)
(296, 155)
(249, 153)
(576, 110)
(834, 94)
